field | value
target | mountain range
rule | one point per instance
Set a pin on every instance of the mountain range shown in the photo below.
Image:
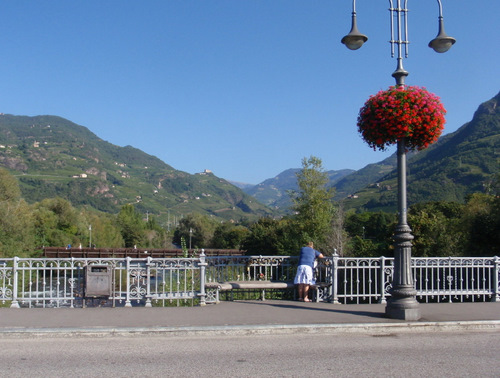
(273, 192)
(52, 156)
(460, 163)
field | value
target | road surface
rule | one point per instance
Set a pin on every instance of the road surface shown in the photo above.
(443, 354)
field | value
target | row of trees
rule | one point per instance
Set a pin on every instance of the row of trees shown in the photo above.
(26, 228)
(440, 228)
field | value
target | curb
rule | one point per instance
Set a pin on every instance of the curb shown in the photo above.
(366, 328)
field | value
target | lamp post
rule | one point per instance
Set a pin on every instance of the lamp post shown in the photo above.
(90, 236)
(190, 236)
(403, 303)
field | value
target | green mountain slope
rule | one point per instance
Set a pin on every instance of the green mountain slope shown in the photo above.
(460, 163)
(52, 156)
(364, 177)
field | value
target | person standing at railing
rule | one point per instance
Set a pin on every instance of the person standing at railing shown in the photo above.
(304, 277)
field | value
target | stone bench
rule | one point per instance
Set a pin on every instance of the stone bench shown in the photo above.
(213, 289)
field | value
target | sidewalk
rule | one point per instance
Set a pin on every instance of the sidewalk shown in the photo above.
(243, 317)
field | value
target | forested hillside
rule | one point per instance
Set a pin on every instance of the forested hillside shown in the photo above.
(53, 157)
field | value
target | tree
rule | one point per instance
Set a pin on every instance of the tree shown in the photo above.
(16, 223)
(370, 233)
(155, 235)
(131, 226)
(312, 203)
(229, 236)
(105, 230)
(196, 228)
(436, 229)
(56, 223)
(17, 233)
(481, 219)
(360, 247)
(272, 237)
(337, 238)
(263, 238)
(9, 187)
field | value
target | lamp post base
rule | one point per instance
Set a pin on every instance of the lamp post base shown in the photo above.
(403, 309)
(410, 314)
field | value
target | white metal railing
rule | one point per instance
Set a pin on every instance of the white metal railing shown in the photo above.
(456, 278)
(52, 282)
(251, 268)
(47, 282)
(361, 280)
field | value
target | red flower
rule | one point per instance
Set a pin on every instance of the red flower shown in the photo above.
(412, 113)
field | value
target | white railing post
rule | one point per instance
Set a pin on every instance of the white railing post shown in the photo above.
(71, 282)
(15, 303)
(382, 281)
(335, 275)
(127, 301)
(202, 264)
(449, 280)
(148, 283)
(496, 279)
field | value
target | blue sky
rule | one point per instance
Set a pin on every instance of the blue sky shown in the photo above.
(246, 88)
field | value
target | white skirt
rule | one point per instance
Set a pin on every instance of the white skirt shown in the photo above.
(304, 275)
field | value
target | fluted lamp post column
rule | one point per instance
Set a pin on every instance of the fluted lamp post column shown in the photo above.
(403, 303)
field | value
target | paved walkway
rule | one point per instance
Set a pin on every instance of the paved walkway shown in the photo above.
(244, 317)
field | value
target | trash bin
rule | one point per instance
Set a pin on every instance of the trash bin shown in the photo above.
(98, 281)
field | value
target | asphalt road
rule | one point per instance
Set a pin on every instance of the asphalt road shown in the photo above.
(443, 354)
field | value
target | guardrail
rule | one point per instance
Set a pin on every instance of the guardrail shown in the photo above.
(64, 282)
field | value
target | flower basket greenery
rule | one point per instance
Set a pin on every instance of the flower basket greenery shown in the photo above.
(406, 112)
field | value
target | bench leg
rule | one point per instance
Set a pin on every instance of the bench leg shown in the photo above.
(212, 296)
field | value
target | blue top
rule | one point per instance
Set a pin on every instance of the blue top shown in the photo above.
(307, 256)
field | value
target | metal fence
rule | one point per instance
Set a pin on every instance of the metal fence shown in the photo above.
(251, 268)
(437, 279)
(47, 282)
(80, 282)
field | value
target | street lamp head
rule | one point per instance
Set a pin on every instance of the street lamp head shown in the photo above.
(442, 42)
(354, 40)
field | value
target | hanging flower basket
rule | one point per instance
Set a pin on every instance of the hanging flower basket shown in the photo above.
(411, 113)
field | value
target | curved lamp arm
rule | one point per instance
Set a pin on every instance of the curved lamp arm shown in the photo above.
(354, 40)
(442, 42)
